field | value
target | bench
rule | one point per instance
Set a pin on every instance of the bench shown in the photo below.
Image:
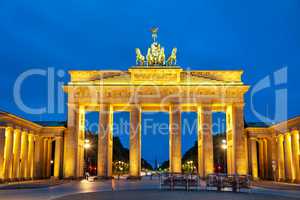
(179, 181)
(223, 181)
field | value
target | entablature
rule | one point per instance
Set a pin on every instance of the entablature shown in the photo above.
(15, 122)
(158, 75)
(160, 107)
(149, 92)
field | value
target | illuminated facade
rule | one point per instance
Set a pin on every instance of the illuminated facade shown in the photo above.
(155, 84)
(274, 151)
(26, 149)
(155, 88)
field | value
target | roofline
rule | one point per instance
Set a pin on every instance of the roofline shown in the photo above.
(20, 118)
(159, 67)
(284, 122)
(277, 124)
(27, 121)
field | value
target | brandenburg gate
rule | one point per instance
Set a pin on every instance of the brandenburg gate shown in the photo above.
(36, 150)
(155, 84)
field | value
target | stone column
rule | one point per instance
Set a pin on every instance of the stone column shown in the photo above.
(38, 157)
(58, 156)
(175, 138)
(8, 153)
(239, 156)
(254, 158)
(44, 161)
(16, 152)
(49, 156)
(105, 141)
(266, 160)
(231, 162)
(2, 146)
(274, 161)
(205, 141)
(74, 140)
(289, 163)
(281, 166)
(81, 139)
(24, 154)
(261, 158)
(296, 154)
(268, 150)
(135, 142)
(30, 164)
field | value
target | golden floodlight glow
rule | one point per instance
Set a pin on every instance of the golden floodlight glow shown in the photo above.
(156, 83)
(87, 146)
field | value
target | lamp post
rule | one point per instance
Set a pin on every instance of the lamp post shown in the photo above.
(224, 147)
(86, 146)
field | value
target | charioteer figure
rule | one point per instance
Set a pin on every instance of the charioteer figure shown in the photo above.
(155, 54)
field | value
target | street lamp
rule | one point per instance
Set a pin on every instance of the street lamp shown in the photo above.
(224, 147)
(86, 145)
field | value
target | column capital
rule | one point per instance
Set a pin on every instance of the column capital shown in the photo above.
(138, 106)
(105, 107)
(205, 105)
(280, 135)
(253, 138)
(44, 138)
(174, 108)
(295, 131)
(240, 104)
(260, 140)
(37, 137)
(9, 128)
(17, 129)
(287, 134)
(73, 104)
(24, 130)
(206, 108)
(30, 136)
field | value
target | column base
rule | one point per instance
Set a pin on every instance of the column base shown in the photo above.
(134, 178)
(65, 178)
(297, 181)
(281, 180)
(294, 181)
(104, 177)
(288, 181)
(256, 179)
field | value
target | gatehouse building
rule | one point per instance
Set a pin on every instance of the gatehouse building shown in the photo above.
(30, 150)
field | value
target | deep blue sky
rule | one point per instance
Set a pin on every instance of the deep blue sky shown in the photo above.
(257, 36)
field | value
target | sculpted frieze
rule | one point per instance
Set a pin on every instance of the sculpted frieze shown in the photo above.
(94, 92)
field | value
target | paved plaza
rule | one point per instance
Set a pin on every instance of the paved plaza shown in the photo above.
(174, 195)
(145, 189)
